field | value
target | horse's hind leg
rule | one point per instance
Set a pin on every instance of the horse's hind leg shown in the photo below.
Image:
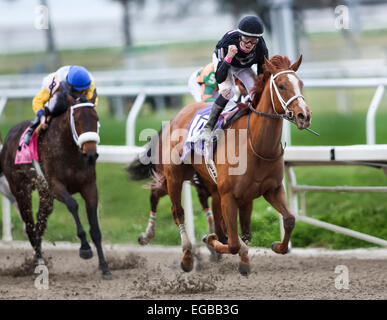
(90, 194)
(174, 191)
(62, 194)
(217, 227)
(203, 195)
(24, 201)
(277, 199)
(150, 231)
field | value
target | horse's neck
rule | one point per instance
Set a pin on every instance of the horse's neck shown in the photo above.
(60, 128)
(265, 132)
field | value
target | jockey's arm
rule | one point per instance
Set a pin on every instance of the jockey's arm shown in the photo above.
(222, 71)
(39, 101)
(91, 92)
(224, 62)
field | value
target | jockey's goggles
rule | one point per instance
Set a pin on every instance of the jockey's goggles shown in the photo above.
(252, 42)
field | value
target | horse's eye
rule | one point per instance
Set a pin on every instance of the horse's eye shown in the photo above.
(282, 87)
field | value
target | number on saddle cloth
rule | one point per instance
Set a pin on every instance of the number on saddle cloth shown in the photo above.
(197, 123)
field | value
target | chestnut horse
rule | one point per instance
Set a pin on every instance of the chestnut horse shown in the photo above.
(67, 155)
(277, 96)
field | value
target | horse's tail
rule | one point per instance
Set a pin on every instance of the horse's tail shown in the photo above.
(144, 166)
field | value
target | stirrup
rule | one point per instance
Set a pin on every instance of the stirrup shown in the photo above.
(204, 135)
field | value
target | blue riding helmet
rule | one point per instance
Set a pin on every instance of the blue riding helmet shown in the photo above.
(79, 78)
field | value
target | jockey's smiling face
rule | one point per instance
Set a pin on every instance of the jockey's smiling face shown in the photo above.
(248, 43)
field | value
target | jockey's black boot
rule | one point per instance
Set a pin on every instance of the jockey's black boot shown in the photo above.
(216, 110)
(34, 124)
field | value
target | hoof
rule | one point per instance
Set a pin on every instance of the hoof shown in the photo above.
(274, 246)
(107, 276)
(244, 269)
(186, 268)
(85, 253)
(246, 238)
(211, 237)
(142, 240)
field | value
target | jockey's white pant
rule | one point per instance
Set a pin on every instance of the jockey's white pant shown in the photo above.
(196, 90)
(50, 104)
(246, 75)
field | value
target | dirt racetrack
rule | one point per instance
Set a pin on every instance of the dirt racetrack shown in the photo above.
(154, 273)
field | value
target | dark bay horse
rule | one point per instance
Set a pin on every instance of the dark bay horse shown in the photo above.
(67, 155)
(277, 96)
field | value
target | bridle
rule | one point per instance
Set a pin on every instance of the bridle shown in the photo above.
(284, 104)
(85, 136)
(287, 115)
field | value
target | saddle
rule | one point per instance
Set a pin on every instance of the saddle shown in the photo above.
(27, 153)
(231, 113)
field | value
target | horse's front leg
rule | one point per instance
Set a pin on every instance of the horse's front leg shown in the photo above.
(277, 198)
(235, 243)
(244, 220)
(90, 195)
(46, 206)
(60, 192)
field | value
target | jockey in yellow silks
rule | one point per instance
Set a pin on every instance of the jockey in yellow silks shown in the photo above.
(76, 79)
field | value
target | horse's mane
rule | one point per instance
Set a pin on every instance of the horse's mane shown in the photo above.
(61, 103)
(280, 62)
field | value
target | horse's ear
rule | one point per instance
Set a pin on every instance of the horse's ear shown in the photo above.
(296, 65)
(269, 66)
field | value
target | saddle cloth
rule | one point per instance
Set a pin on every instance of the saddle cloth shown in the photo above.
(197, 123)
(26, 154)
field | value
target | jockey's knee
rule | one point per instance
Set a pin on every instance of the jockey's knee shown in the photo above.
(227, 93)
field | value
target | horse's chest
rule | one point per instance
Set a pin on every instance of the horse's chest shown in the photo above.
(69, 173)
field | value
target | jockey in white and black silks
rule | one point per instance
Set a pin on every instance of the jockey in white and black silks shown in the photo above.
(234, 55)
(76, 80)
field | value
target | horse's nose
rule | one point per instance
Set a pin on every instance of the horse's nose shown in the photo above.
(91, 157)
(303, 119)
